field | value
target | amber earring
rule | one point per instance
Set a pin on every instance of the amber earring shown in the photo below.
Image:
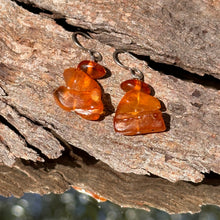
(82, 94)
(138, 112)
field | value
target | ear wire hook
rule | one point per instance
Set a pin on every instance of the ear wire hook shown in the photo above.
(95, 55)
(136, 73)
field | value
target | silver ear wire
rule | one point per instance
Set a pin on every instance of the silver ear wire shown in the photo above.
(136, 73)
(95, 55)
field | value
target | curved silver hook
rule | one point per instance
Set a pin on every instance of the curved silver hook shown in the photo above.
(116, 59)
(136, 73)
(95, 55)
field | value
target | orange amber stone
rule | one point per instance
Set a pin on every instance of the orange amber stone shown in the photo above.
(135, 84)
(138, 112)
(82, 94)
(93, 69)
(78, 80)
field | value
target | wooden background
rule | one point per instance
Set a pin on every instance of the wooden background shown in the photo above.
(176, 45)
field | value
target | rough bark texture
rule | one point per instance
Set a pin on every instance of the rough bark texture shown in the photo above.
(127, 190)
(35, 49)
(184, 33)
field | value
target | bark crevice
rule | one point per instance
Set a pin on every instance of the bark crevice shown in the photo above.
(167, 69)
(16, 131)
(180, 73)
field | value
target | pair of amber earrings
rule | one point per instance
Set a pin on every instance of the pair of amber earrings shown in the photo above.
(137, 113)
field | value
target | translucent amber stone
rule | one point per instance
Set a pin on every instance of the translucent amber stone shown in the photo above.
(138, 112)
(78, 80)
(93, 69)
(82, 94)
(135, 84)
(64, 98)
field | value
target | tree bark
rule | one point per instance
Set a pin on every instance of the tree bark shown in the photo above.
(182, 33)
(172, 38)
(127, 190)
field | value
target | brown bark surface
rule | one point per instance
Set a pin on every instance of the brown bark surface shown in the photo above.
(35, 49)
(127, 190)
(183, 33)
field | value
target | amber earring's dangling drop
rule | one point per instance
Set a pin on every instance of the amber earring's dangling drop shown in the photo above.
(138, 112)
(82, 93)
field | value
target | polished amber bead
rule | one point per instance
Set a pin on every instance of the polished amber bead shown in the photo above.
(135, 84)
(138, 112)
(93, 69)
(81, 94)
